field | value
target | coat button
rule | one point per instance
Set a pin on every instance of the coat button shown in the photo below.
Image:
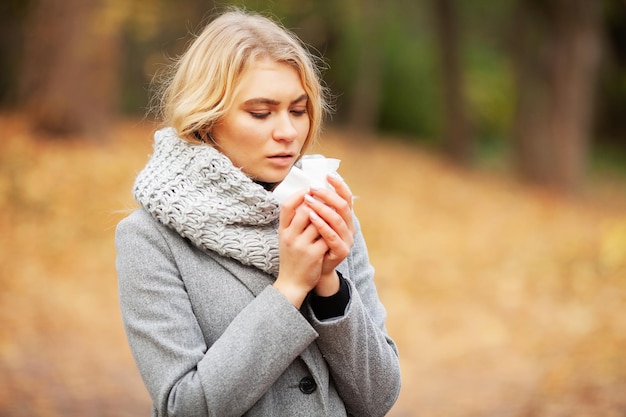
(308, 385)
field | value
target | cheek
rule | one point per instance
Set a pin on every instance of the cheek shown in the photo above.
(304, 126)
(243, 133)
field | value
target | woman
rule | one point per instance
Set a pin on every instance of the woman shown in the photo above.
(235, 304)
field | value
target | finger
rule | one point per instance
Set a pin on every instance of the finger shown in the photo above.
(337, 246)
(340, 199)
(341, 188)
(289, 207)
(310, 233)
(300, 228)
(327, 218)
(337, 206)
(299, 222)
(330, 216)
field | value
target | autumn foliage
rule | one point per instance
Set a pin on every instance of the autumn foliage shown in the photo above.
(504, 300)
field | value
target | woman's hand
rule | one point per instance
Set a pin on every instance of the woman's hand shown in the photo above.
(332, 217)
(302, 250)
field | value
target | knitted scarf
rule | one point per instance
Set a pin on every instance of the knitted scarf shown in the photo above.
(197, 191)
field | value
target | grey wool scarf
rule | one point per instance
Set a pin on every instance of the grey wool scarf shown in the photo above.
(197, 191)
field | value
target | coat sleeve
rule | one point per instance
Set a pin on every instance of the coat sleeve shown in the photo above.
(362, 358)
(183, 375)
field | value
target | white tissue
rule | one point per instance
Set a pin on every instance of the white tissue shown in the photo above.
(314, 170)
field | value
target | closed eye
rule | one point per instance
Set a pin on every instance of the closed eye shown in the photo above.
(259, 115)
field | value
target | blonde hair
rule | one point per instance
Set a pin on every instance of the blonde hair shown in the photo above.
(204, 80)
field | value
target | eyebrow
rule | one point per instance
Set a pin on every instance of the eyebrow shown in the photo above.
(272, 102)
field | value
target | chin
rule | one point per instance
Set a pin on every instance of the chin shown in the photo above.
(273, 180)
(275, 177)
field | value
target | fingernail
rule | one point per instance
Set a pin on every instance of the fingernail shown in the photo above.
(313, 216)
(309, 199)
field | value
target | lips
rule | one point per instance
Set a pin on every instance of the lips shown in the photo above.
(282, 158)
(282, 155)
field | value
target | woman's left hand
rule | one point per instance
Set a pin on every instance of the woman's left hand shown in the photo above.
(332, 216)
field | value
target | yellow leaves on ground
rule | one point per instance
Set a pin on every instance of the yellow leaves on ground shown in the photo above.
(613, 244)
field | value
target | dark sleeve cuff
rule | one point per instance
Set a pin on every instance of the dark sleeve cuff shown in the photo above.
(333, 306)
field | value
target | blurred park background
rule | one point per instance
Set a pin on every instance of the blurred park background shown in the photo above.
(486, 141)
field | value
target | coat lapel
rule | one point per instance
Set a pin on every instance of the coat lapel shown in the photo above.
(254, 279)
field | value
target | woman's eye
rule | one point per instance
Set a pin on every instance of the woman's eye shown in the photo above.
(259, 115)
(298, 112)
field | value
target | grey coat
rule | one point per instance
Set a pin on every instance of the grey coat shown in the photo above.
(212, 337)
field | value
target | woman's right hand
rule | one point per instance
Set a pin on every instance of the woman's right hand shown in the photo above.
(301, 250)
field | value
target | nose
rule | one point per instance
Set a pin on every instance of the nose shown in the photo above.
(285, 128)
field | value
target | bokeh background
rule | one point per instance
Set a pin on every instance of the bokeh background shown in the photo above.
(485, 140)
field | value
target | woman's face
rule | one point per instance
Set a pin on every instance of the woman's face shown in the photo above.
(264, 131)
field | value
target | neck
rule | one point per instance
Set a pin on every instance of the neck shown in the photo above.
(269, 186)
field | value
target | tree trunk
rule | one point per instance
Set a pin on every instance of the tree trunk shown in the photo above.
(456, 131)
(556, 66)
(364, 110)
(12, 15)
(69, 80)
